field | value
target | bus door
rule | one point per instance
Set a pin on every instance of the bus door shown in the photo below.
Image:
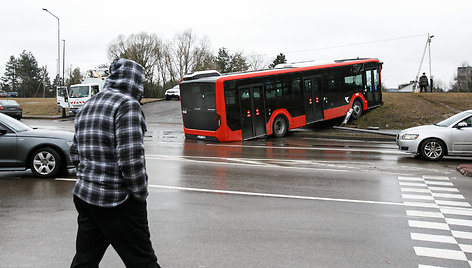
(252, 111)
(313, 92)
(369, 90)
(377, 89)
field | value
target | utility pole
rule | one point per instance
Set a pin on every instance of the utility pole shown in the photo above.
(430, 75)
(428, 42)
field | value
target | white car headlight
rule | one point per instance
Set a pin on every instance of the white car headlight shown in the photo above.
(409, 136)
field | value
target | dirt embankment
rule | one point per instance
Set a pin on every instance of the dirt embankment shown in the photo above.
(404, 110)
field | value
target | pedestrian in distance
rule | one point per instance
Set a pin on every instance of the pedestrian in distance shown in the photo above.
(111, 190)
(424, 83)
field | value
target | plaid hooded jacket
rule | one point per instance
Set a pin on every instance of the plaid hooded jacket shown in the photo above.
(108, 149)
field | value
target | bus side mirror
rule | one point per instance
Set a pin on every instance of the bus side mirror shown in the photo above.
(461, 125)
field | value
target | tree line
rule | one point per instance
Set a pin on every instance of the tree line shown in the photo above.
(165, 63)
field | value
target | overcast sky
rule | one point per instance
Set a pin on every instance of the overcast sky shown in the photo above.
(395, 32)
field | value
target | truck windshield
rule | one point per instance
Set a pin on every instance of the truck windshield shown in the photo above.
(79, 91)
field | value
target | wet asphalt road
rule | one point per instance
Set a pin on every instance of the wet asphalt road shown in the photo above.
(299, 201)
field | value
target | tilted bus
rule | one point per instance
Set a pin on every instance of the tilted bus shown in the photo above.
(242, 106)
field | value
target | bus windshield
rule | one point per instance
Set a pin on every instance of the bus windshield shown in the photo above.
(79, 91)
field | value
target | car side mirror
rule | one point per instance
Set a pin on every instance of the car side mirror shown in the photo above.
(462, 124)
(3, 131)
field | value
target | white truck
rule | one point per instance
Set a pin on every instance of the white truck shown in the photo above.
(79, 94)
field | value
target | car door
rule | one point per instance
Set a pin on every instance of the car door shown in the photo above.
(462, 137)
(9, 145)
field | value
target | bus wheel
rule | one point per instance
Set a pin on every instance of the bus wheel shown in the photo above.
(280, 127)
(357, 110)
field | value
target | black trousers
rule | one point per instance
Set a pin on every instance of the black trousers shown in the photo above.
(125, 227)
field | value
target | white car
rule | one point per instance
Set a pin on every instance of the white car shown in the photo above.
(173, 93)
(452, 136)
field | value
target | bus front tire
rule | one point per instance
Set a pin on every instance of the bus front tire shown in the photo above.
(280, 127)
(357, 110)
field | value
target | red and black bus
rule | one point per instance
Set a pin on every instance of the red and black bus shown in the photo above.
(242, 106)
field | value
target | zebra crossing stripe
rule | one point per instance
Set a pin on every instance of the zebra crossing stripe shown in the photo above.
(452, 196)
(415, 190)
(433, 238)
(425, 214)
(466, 248)
(459, 222)
(443, 189)
(452, 203)
(441, 253)
(439, 183)
(462, 235)
(428, 225)
(454, 211)
(414, 196)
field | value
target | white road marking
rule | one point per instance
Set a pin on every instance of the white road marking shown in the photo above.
(442, 178)
(415, 184)
(401, 178)
(439, 183)
(462, 235)
(452, 203)
(416, 213)
(433, 238)
(456, 211)
(421, 204)
(452, 196)
(459, 222)
(414, 196)
(466, 248)
(428, 266)
(428, 225)
(440, 253)
(443, 189)
(415, 190)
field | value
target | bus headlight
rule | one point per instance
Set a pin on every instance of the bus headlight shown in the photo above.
(409, 136)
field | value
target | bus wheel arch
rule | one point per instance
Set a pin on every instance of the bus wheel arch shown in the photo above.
(280, 126)
(357, 109)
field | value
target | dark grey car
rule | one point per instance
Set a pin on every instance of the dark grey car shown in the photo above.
(45, 152)
(11, 108)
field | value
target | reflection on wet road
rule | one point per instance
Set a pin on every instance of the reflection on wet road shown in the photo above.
(299, 201)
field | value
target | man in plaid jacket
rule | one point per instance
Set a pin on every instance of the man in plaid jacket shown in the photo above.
(111, 190)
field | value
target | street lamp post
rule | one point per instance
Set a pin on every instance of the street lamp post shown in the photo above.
(58, 83)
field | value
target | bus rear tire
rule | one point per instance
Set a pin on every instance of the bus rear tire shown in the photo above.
(280, 127)
(357, 110)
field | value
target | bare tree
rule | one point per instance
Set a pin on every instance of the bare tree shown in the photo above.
(256, 62)
(190, 54)
(146, 49)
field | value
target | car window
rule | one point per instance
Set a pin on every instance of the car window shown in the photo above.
(468, 121)
(13, 123)
(453, 119)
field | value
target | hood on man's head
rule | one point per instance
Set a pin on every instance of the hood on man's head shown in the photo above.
(126, 76)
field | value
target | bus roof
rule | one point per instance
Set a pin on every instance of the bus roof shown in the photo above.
(279, 69)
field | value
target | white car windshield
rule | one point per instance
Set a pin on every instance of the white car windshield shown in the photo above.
(453, 119)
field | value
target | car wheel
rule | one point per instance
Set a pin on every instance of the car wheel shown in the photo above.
(168, 97)
(280, 127)
(357, 110)
(432, 149)
(46, 163)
